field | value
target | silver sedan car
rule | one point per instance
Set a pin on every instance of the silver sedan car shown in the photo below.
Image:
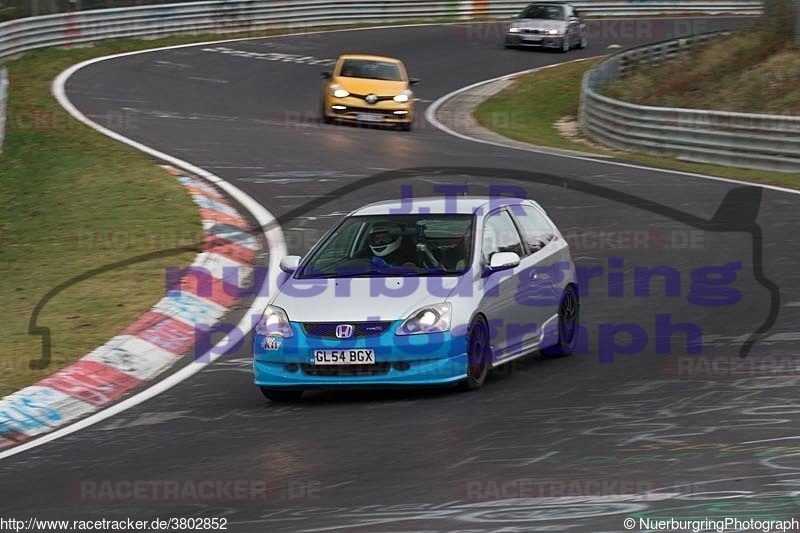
(547, 25)
(416, 292)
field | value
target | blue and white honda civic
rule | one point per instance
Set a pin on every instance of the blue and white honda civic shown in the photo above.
(414, 292)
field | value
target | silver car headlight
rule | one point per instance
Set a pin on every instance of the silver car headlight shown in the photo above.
(338, 92)
(513, 30)
(274, 322)
(429, 319)
(553, 32)
(403, 97)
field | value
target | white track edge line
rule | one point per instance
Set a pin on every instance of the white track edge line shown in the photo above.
(430, 116)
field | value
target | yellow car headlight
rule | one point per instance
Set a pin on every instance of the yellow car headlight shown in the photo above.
(338, 92)
(403, 97)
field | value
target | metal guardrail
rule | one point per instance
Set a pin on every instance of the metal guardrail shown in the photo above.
(770, 142)
(3, 98)
(256, 15)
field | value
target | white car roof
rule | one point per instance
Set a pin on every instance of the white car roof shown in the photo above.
(437, 205)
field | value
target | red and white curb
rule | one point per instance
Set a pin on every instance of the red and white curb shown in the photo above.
(200, 297)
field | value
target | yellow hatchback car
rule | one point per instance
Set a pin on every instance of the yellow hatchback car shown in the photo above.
(368, 89)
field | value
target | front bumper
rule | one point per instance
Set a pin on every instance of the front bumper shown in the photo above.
(426, 359)
(357, 110)
(535, 41)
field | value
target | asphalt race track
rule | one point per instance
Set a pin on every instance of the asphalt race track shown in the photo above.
(693, 441)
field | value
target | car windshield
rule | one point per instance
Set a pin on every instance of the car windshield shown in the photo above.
(543, 12)
(370, 69)
(393, 245)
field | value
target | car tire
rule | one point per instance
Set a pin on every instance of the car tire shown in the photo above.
(478, 354)
(569, 313)
(405, 126)
(281, 395)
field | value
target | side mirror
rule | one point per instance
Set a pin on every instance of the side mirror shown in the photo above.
(413, 81)
(326, 75)
(503, 261)
(289, 263)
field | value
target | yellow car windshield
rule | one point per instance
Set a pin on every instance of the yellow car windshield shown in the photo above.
(369, 69)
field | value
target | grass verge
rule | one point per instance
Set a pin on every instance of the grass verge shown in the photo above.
(74, 200)
(536, 101)
(747, 71)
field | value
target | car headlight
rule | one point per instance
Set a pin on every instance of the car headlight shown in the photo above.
(403, 97)
(429, 319)
(513, 30)
(553, 32)
(274, 322)
(338, 92)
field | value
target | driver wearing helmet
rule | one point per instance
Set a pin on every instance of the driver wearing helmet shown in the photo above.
(386, 243)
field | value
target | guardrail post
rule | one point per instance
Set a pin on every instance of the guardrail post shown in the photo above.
(3, 99)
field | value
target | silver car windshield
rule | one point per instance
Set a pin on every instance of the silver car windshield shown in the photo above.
(393, 245)
(543, 12)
